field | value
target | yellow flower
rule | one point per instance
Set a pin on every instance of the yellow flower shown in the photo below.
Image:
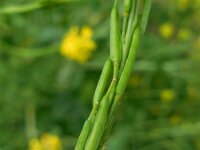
(166, 30)
(167, 95)
(184, 34)
(86, 32)
(50, 142)
(34, 144)
(78, 44)
(46, 142)
(183, 4)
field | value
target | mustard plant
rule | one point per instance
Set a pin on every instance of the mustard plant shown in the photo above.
(124, 41)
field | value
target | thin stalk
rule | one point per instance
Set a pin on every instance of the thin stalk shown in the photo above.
(100, 122)
(122, 83)
(24, 8)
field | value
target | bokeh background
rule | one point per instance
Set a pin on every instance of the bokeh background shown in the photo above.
(46, 91)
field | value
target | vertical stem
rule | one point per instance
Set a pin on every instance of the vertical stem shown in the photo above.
(102, 116)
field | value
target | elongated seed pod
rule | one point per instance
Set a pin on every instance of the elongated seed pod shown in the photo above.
(99, 92)
(115, 43)
(128, 42)
(101, 116)
(100, 89)
(132, 13)
(129, 62)
(98, 127)
(102, 83)
(145, 14)
(99, 123)
(107, 131)
(126, 72)
(127, 8)
(133, 21)
(83, 136)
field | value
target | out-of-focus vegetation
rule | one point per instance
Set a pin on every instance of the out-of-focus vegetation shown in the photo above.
(46, 96)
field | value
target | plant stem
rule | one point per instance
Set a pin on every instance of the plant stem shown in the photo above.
(105, 103)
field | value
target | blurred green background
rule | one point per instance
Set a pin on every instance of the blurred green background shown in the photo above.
(41, 91)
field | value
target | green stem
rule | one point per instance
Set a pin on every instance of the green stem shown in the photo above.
(100, 122)
(83, 136)
(98, 127)
(127, 69)
(31, 6)
(133, 21)
(99, 92)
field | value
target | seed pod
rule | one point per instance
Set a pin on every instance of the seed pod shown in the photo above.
(127, 8)
(145, 14)
(99, 92)
(129, 62)
(115, 43)
(132, 12)
(133, 21)
(83, 136)
(128, 41)
(98, 128)
(107, 131)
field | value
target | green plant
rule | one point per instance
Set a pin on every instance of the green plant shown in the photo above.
(123, 47)
(32, 6)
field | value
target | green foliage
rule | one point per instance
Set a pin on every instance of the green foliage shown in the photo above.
(33, 71)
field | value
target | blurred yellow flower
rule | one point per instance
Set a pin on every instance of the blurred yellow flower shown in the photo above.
(184, 34)
(34, 144)
(167, 95)
(46, 142)
(50, 142)
(183, 4)
(167, 30)
(78, 44)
